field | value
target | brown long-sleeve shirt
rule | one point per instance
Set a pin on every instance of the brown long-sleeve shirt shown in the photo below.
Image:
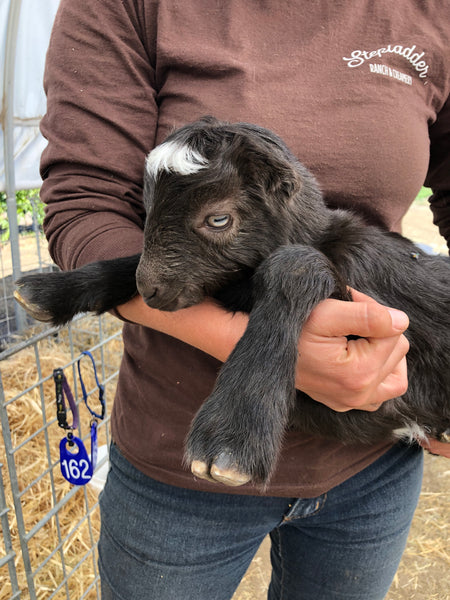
(358, 90)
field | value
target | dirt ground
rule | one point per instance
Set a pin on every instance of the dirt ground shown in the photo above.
(424, 572)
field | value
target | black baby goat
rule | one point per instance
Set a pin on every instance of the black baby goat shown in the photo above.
(231, 214)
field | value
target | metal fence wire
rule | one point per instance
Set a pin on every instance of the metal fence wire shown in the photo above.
(50, 527)
(9, 582)
(32, 257)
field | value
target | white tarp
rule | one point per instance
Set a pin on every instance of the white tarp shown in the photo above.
(35, 23)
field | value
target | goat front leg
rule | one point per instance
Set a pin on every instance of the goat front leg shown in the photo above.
(236, 436)
(97, 287)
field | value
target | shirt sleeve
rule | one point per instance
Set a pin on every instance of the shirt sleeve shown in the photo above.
(100, 123)
(438, 177)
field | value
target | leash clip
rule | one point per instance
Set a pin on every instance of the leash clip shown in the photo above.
(62, 391)
(101, 388)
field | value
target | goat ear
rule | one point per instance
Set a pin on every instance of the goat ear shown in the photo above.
(266, 167)
(281, 178)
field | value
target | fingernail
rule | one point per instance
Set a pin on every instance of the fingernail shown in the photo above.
(400, 319)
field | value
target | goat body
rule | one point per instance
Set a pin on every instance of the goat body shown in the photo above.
(233, 215)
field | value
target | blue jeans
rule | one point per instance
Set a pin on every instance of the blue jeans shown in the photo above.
(160, 542)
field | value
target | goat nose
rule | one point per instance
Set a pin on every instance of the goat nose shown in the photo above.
(150, 294)
(147, 291)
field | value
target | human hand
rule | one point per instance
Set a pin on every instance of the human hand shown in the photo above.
(437, 448)
(357, 373)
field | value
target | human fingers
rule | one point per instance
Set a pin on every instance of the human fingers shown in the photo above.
(393, 373)
(380, 390)
(363, 317)
(437, 448)
(366, 393)
(381, 371)
(357, 373)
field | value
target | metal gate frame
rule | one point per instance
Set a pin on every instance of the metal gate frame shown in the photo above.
(20, 562)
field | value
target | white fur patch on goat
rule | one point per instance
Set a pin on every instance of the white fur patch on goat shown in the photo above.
(173, 156)
(411, 432)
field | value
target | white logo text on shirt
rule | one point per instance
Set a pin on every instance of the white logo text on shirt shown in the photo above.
(359, 57)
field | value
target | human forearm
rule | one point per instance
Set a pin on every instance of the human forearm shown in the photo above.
(205, 326)
(361, 374)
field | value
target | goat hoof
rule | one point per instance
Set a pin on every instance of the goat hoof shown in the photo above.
(34, 310)
(221, 471)
(445, 436)
(200, 469)
(225, 471)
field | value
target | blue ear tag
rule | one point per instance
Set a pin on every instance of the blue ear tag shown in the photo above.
(76, 466)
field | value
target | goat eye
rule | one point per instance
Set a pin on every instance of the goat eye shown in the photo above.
(218, 221)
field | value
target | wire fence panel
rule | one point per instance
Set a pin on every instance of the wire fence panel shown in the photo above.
(34, 257)
(8, 574)
(51, 535)
(48, 546)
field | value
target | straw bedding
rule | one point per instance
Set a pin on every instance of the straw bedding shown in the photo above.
(27, 416)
